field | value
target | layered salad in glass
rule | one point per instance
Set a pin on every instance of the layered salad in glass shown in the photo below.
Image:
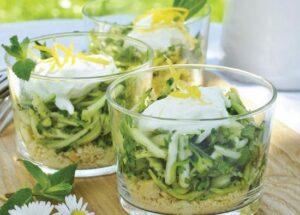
(186, 149)
(177, 30)
(61, 113)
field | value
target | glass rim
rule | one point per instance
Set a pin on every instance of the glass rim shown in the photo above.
(148, 62)
(93, 18)
(231, 70)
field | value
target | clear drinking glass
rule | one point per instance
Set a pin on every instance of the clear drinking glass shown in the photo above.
(184, 41)
(61, 114)
(191, 164)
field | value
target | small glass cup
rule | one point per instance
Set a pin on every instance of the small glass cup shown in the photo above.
(189, 164)
(181, 43)
(62, 117)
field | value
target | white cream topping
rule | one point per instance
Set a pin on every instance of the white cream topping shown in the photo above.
(213, 105)
(68, 89)
(159, 38)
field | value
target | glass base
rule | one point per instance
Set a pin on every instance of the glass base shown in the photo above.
(248, 209)
(81, 173)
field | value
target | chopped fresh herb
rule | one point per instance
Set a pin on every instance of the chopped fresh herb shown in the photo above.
(23, 65)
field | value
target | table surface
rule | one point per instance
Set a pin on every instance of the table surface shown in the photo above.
(282, 186)
(288, 103)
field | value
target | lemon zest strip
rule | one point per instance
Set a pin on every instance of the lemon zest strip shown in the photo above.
(167, 16)
(55, 56)
(182, 91)
(179, 83)
(98, 60)
(42, 48)
(66, 51)
(68, 54)
(163, 16)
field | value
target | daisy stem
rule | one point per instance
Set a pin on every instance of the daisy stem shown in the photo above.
(3, 198)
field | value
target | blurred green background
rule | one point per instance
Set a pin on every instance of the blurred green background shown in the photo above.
(21, 10)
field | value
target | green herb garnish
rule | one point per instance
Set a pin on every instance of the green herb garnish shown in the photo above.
(19, 198)
(48, 187)
(192, 5)
(23, 65)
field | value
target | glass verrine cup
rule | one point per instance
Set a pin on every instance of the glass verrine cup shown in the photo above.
(193, 147)
(61, 114)
(170, 31)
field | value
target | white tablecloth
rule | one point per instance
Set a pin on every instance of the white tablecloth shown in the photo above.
(288, 103)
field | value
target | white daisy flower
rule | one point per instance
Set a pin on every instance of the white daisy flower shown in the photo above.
(33, 208)
(72, 207)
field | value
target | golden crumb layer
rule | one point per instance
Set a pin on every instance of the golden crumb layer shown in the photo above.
(146, 195)
(87, 156)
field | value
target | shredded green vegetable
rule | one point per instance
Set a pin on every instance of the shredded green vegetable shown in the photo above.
(41, 122)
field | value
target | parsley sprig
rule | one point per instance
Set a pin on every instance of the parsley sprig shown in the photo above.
(194, 6)
(23, 65)
(48, 187)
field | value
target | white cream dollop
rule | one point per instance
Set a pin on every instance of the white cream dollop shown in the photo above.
(159, 38)
(64, 90)
(213, 106)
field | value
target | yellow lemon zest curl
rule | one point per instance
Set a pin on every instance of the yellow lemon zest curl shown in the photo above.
(189, 92)
(69, 55)
(175, 75)
(163, 16)
(166, 17)
(87, 57)
(181, 90)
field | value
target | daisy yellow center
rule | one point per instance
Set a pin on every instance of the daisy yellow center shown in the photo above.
(78, 213)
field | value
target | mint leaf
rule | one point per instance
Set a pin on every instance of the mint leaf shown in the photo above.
(61, 184)
(49, 197)
(20, 198)
(37, 174)
(23, 68)
(194, 6)
(14, 49)
(39, 192)
(64, 175)
(60, 189)
(53, 187)
(9, 51)
(56, 192)
(24, 46)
